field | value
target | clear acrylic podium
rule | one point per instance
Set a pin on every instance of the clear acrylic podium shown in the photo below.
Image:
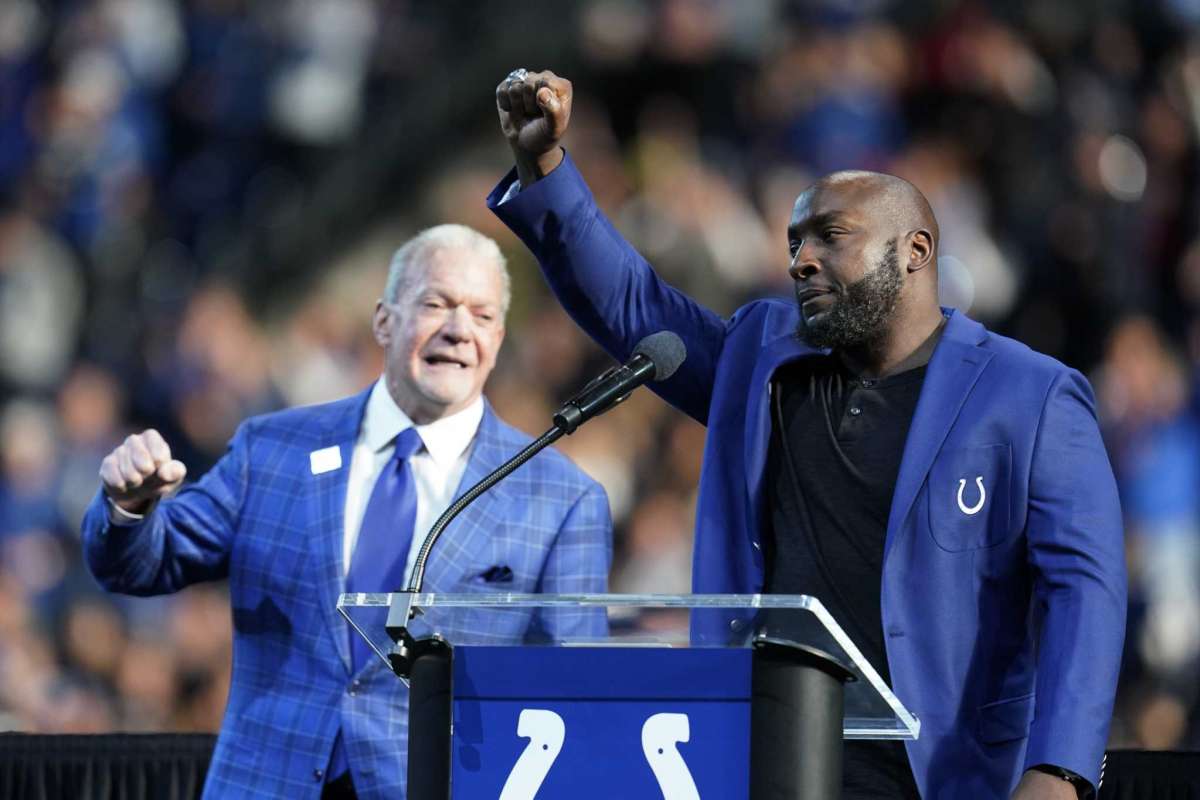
(662, 696)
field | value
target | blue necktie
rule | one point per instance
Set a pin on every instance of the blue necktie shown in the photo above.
(385, 536)
(379, 558)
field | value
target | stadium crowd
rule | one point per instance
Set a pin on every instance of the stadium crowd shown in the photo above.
(141, 141)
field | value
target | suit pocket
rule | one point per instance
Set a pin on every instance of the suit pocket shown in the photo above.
(969, 497)
(1006, 720)
(500, 574)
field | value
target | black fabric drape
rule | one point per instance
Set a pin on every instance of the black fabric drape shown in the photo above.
(172, 767)
(104, 767)
(1146, 775)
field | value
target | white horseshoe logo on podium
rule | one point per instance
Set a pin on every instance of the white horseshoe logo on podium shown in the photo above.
(973, 510)
(660, 735)
(546, 732)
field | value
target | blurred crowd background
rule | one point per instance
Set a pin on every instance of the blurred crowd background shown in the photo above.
(198, 200)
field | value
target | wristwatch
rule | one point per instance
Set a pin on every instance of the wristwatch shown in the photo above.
(1083, 787)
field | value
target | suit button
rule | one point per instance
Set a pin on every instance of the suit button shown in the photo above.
(354, 688)
(736, 625)
(855, 411)
(318, 774)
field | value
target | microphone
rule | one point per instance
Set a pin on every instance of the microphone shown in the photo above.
(655, 357)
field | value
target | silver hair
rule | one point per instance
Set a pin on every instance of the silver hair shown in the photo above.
(414, 253)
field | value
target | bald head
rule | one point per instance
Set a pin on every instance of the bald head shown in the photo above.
(871, 210)
(890, 199)
(864, 260)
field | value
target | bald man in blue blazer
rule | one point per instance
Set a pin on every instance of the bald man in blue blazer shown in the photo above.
(284, 512)
(945, 489)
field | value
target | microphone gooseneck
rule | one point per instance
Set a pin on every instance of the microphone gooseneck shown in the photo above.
(503, 471)
(655, 358)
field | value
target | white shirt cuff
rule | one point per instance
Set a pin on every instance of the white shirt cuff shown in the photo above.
(123, 518)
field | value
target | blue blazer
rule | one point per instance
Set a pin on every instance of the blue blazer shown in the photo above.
(264, 521)
(1003, 627)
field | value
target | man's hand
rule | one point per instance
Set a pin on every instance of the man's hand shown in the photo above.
(534, 113)
(1037, 785)
(140, 471)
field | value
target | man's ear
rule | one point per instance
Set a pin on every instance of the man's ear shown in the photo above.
(920, 250)
(381, 324)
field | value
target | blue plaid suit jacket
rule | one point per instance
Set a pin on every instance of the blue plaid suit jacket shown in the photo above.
(264, 521)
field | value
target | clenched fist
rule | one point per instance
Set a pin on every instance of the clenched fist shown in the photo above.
(534, 108)
(140, 471)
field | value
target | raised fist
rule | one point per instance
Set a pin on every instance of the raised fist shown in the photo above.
(534, 108)
(139, 471)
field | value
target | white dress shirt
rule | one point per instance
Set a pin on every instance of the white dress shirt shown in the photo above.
(437, 467)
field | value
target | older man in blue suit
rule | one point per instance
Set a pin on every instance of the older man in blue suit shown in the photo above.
(943, 489)
(310, 502)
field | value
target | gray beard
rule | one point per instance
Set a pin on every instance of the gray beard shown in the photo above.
(861, 315)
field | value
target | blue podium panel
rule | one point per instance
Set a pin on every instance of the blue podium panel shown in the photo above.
(592, 723)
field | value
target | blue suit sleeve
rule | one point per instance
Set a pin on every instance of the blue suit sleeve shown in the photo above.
(606, 286)
(1076, 550)
(184, 540)
(578, 563)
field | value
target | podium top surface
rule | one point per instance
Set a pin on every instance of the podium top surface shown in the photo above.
(872, 710)
(635, 601)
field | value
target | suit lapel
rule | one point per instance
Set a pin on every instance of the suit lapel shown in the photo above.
(470, 531)
(776, 353)
(953, 370)
(327, 507)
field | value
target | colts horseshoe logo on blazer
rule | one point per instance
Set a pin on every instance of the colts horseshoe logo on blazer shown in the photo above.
(971, 511)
